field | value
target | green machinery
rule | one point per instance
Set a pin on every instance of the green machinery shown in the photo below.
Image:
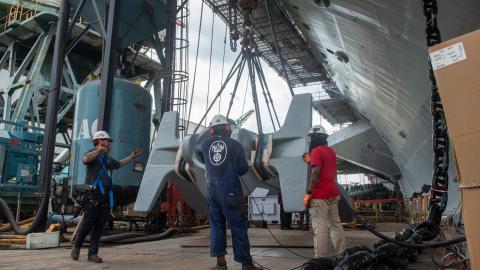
(19, 148)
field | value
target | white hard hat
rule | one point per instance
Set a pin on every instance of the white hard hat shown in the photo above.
(219, 120)
(317, 129)
(101, 135)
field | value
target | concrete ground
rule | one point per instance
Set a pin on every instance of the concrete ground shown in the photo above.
(191, 252)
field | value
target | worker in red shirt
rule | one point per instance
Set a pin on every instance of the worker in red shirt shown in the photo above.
(323, 194)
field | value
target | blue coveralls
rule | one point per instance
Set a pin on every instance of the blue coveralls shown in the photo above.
(225, 161)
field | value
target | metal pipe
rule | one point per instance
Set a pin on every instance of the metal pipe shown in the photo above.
(64, 219)
(108, 65)
(19, 206)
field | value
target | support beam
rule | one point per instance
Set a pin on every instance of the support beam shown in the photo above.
(76, 40)
(168, 82)
(26, 61)
(65, 110)
(157, 94)
(7, 105)
(108, 65)
(75, 16)
(53, 97)
(34, 78)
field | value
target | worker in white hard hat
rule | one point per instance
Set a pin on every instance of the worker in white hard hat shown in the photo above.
(323, 194)
(99, 199)
(225, 161)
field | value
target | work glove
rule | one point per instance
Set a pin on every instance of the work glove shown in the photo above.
(306, 200)
(306, 157)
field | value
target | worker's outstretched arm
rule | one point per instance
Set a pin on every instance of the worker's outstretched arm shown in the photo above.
(135, 153)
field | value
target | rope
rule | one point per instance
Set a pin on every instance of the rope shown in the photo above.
(196, 64)
(210, 64)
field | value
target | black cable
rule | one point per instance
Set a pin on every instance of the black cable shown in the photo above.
(223, 66)
(196, 64)
(280, 243)
(39, 216)
(210, 64)
(400, 243)
(437, 265)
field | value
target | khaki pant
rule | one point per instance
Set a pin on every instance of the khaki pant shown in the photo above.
(326, 223)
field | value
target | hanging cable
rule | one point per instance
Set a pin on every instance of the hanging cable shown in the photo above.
(262, 78)
(239, 76)
(234, 68)
(223, 65)
(196, 64)
(210, 63)
(277, 48)
(253, 83)
(264, 86)
(245, 97)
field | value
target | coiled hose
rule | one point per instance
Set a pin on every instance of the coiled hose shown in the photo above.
(39, 216)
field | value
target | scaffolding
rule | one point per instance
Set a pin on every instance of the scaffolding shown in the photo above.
(330, 103)
(302, 68)
(18, 13)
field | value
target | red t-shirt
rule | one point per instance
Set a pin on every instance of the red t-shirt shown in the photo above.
(326, 158)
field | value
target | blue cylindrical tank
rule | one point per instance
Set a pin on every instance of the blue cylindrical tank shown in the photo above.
(129, 128)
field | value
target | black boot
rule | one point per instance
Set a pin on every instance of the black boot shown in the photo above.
(95, 259)
(75, 253)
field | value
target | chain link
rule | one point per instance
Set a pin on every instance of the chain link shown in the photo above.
(232, 24)
(439, 191)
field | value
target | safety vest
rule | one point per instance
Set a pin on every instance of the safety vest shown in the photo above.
(98, 181)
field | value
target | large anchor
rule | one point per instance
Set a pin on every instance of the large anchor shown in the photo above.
(275, 161)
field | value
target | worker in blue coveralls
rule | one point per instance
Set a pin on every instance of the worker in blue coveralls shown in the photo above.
(225, 161)
(98, 198)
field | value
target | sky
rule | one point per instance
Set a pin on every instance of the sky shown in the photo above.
(201, 92)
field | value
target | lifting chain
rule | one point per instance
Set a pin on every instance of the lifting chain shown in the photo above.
(232, 24)
(439, 191)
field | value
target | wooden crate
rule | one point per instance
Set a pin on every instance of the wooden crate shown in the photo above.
(43, 240)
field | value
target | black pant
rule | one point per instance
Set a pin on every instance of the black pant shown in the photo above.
(285, 218)
(94, 218)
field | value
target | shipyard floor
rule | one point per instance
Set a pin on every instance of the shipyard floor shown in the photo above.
(191, 252)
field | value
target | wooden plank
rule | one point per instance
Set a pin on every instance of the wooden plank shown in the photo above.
(54, 227)
(13, 241)
(8, 227)
(74, 234)
(12, 236)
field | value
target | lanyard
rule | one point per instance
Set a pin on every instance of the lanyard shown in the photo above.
(98, 182)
